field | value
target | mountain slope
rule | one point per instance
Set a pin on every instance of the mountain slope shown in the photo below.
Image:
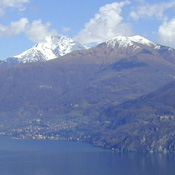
(144, 124)
(99, 75)
(75, 88)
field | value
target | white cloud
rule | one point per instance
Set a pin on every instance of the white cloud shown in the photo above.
(151, 10)
(37, 31)
(19, 4)
(14, 28)
(166, 33)
(1, 12)
(140, 1)
(66, 29)
(107, 23)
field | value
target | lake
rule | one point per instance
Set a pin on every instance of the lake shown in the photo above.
(48, 157)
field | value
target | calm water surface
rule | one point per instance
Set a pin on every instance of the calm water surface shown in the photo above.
(44, 157)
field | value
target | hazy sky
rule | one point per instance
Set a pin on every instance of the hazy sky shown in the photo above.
(26, 22)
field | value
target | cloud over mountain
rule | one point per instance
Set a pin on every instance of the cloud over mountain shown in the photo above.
(159, 12)
(166, 33)
(107, 23)
(37, 31)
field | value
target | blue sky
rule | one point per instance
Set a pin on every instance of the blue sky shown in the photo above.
(26, 22)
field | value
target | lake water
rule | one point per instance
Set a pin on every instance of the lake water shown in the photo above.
(44, 157)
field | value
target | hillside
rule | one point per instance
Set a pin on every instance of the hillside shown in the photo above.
(72, 91)
(144, 124)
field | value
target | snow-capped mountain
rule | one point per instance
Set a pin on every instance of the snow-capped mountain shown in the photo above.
(51, 48)
(135, 42)
(87, 80)
(120, 46)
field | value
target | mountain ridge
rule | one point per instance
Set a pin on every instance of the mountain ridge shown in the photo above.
(58, 46)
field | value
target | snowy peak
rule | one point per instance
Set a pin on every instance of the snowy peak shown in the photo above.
(141, 40)
(60, 45)
(51, 48)
(134, 41)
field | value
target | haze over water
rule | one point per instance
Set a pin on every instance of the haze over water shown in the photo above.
(48, 157)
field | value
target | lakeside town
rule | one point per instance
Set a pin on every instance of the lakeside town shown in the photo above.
(42, 130)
